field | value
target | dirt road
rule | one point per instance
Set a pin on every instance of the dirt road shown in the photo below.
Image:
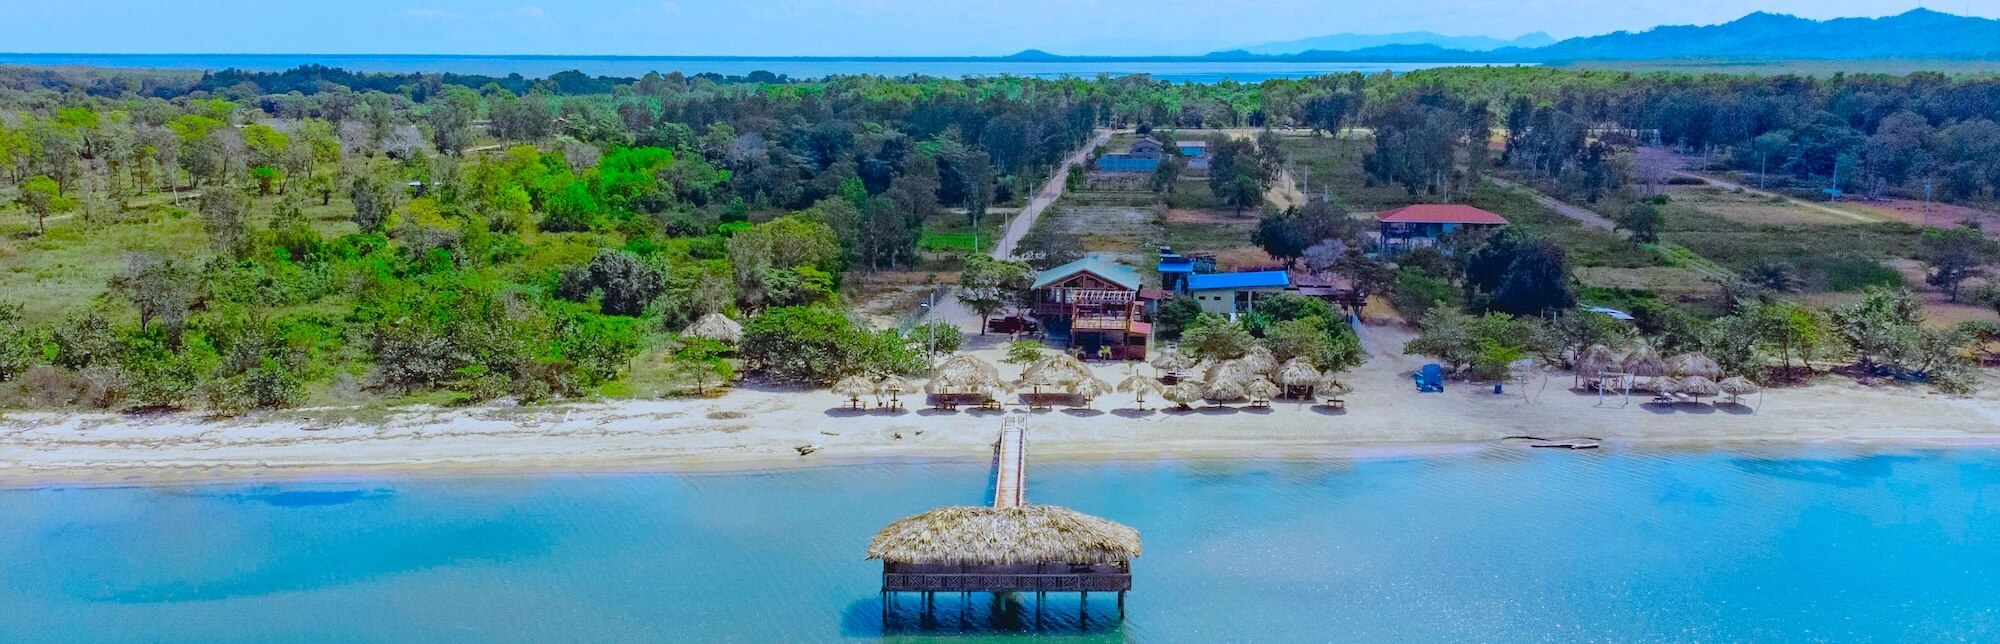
(1018, 228)
(1585, 216)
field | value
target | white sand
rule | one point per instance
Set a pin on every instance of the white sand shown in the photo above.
(1384, 414)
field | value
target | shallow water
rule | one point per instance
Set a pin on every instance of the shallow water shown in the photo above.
(636, 66)
(1506, 545)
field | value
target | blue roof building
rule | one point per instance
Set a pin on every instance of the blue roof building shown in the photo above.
(1232, 293)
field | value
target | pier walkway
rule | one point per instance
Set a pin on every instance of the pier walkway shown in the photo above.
(1010, 463)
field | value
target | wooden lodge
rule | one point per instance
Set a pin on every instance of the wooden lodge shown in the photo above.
(1412, 227)
(1094, 306)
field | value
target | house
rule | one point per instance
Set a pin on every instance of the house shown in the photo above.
(1143, 156)
(1231, 293)
(1411, 227)
(1174, 268)
(1196, 153)
(1093, 304)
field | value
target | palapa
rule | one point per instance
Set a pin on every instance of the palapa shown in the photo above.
(1693, 364)
(1024, 534)
(717, 327)
(1261, 391)
(1699, 386)
(854, 387)
(1737, 386)
(1596, 360)
(1140, 386)
(1184, 393)
(1258, 360)
(1226, 391)
(1172, 360)
(1644, 362)
(1298, 373)
(1089, 389)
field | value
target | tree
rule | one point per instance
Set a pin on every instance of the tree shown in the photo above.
(1290, 234)
(775, 251)
(19, 348)
(626, 284)
(1236, 174)
(1176, 315)
(373, 202)
(164, 291)
(936, 339)
(1644, 220)
(1447, 336)
(451, 119)
(1214, 338)
(1955, 255)
(811, 344)
(1777, 277)
(42, 197)
(1791, 328)
(700, 361)
(988, 286)
(225, 217)
(1521, 273)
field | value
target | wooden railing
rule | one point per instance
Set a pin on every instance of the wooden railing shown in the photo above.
(1086, 296)
(1120, 323)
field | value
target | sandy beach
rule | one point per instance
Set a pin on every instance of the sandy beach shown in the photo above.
(754, 428)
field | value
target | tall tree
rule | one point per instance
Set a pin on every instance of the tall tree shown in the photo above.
(1955, 255)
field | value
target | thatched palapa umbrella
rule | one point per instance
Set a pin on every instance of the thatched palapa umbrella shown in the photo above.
(717, 327)
(1140, 386)
(1298, 373)
(1025, 534)
(1258, 360)
(854, 387)
(1226, 391)
(1261, 391)
(1235, 371)
(894, 387)
(1737, 387)
(1089, 389)
(1693, 364)
(1332, 388)
(1699, 386)
(1665, 385)
(1184, 393)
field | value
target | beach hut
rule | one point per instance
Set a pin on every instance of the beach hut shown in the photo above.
(1593, 363)
(893, 387)
(965, 375)
(1184, 393)
(717, 327)
(1332, 389)
(1261, 392)
(1236, 371)
(1699, 386)
(1172, 364)
(1226, 390)
(1140, 386)
(1299, 374)
(1737, 387)
(1089, 389)
(854, 387)
(1258, 360)
(1643, 362)
(1693, 364)
(1021, 549)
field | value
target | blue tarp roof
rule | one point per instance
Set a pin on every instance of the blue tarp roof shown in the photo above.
(1177, 266)
(1258, 279)
(1094, 265)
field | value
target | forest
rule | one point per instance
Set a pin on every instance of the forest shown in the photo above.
(243, 240)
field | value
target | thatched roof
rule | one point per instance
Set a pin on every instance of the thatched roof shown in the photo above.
(1235, 371)
(1059, 370)
(1089, 388)
(1332, 386)
(1644, 362)
(1259, 360)
(1226, 390)
(1665, 385)
(855, 386)
(1261, 389)
(717, 327)
(1188, 390)
(1693, 364)
(1026, 534)
(893, 385)
(1172, 360)
(1699, 386)
(1298, 373)
(964, 374)
(1141, 384)
(1597, 358)
(1737, 386)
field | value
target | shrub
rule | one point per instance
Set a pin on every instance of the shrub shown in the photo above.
(804, 344)
(1023, 352)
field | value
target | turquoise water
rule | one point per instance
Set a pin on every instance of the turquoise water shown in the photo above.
(1505, 545)
(636, 66)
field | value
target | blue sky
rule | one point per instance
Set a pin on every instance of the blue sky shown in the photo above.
(832, 27)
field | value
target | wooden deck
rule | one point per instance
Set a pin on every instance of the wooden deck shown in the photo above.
(1010, 463)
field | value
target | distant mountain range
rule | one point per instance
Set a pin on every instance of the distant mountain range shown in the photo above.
(1919, 33)
(1350, 42)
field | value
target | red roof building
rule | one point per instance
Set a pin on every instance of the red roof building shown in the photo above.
(1421, 225)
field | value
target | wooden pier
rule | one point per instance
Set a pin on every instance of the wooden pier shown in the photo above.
(1010, 463)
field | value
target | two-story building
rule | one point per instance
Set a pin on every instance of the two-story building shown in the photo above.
(1092, 304)
(1412, 227)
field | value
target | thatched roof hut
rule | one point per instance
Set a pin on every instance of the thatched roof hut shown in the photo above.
(1258, 360)
(1737, 386)
(1172, 360)
(1261, 390)
(1186, 392)
(1226, 391)
(1594, 360)
(1298, 372)
(1644, 362)
(964, 374)
(1089, 388)
(854, 387)
(1141, 386)
(1699, 386)
(1061, 369)
(1331, 386)
(1664, 385)
(717, 327)
(1693, 364)
(1025, 534)
(1236, 371)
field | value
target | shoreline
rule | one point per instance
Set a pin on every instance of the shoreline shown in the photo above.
(155, 474)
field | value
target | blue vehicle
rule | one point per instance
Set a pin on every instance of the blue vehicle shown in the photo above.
(1430, 379)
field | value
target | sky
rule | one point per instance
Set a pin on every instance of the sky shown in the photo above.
(834, 27)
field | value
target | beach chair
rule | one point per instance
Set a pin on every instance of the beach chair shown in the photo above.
(1430, 379)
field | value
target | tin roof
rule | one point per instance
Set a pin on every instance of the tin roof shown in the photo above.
(1095, 265)
(1440, 214)
(1257, 279)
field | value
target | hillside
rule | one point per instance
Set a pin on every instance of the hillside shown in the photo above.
(1352, 42)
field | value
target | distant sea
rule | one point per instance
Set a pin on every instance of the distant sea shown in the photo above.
(798, 68)
(1511, 545)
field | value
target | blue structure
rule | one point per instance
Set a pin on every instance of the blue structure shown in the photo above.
(1127, 163)
(1430, 379)
(1227, 294)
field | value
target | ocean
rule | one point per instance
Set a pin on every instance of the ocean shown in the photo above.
(801, 68)
(1502, 545)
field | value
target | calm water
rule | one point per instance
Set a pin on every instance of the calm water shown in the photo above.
(633, 67)
(1502, 546)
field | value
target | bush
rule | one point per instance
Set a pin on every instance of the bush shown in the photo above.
(1023, 352)
(806, 344)
(1416, 292)
(936, 339)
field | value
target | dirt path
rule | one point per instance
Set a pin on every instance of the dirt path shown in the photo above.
(1676, 165)
(1018, 228)
(1585, 216)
